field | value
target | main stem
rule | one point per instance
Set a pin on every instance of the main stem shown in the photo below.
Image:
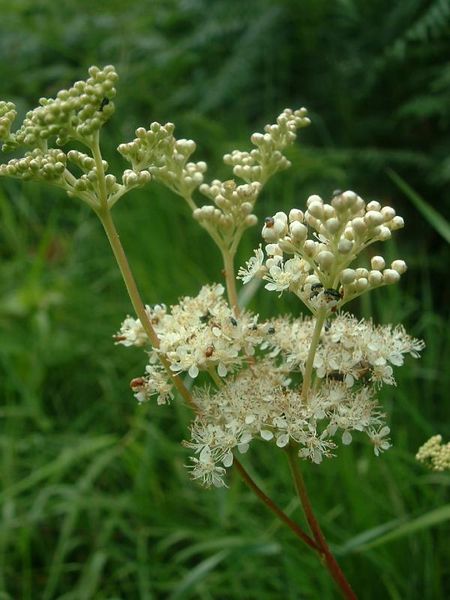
(324, 550)
(133, 292)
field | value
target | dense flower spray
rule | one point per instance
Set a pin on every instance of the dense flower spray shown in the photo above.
(302, 384)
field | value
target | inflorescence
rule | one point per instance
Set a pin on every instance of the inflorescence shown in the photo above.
(310, 381)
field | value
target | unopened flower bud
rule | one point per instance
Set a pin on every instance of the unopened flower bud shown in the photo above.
(373, 218)
(377, 263)
(298, 231)
(375, 277)
(348, 276)
(296, 215)
(361, 284)
(359, 225)
(345, 246)
(325, 260)
(390, 276)
(397, 223)
(374, 205)
(399, 266)
(332, 224)
(316, 209)
(388, 213)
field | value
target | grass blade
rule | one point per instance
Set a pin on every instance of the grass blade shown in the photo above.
(435, 219)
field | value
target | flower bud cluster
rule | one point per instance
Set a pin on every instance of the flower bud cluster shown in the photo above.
(165, 157)
(258, 404)
(434, 454)
(37, 165)
(350, 350)
(320, 272)
(75, 113)
(267, 158)
(7, 115)
(233, 210)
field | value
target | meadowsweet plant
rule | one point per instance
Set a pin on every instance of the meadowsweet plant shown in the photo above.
(304, 385)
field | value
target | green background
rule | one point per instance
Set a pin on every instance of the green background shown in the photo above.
(95, 498)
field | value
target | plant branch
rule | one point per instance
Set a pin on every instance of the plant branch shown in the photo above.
(307, 377)
(323, 548)
(270, 504)
(230, 279)
(133, 292)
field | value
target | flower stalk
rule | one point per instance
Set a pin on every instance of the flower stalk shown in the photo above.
(323, 549)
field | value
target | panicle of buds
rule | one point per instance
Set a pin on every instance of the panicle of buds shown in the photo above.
(434, 454)
(320, 272)
(38, 165)
(267, 158)
(76, 113)
(165, 157)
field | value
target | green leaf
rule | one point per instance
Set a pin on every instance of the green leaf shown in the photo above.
(435, 219)
(378, 537)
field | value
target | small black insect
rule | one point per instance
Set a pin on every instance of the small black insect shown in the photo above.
(233, 321)
(104, 103)
(271, 330)
(269, 221)
(315, 289)
(332, 294)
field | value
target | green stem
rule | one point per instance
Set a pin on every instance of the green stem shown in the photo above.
(327, 557)
(296, 529)
(307, 377)
(230, 279)
(97, 156)
(133, 292)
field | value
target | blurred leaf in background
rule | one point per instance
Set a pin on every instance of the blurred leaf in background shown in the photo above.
(95, 500)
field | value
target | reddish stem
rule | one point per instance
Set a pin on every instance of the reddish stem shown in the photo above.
(324, 550)
(296, 529)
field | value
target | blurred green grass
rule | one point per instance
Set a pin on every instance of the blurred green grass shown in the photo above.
(95, 498)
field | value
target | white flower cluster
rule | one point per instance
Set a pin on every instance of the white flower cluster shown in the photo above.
(350, 351)
(266, 159)
(165, 157)
(258, 404)
(319, 272)
(435, 454)
(198, 334)
(75, 113)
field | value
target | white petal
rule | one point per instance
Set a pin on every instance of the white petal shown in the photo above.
(346, 438)
(193, 371)
(228, 460)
